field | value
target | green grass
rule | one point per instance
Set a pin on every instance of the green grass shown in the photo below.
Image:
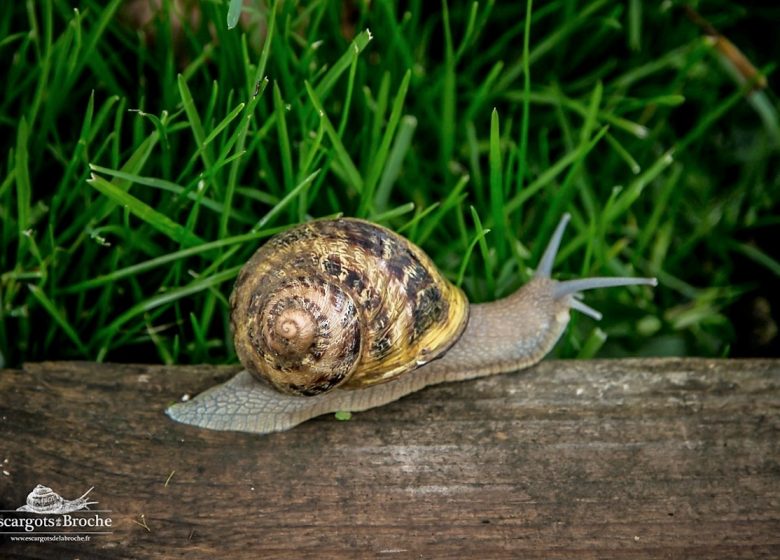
(141, 169)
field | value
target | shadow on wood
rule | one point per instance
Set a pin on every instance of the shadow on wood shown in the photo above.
(630, 458)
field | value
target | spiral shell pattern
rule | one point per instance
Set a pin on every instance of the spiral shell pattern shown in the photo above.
(43, 498)
(341, 303)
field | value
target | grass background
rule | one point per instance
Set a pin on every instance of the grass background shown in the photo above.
(143, 163)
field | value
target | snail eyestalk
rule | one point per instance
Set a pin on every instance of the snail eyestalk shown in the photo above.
(544, 270)
(574, 287)
(570, 287)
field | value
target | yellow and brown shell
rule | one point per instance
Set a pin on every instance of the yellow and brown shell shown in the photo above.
(341, 302)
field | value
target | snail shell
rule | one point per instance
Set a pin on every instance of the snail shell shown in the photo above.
(44, 499)
(341, 303)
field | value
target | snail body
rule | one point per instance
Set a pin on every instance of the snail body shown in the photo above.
(347, 315)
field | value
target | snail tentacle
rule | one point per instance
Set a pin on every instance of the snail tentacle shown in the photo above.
(569, 287)
(585, 309)
(544, 270)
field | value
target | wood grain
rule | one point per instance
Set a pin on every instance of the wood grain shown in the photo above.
(661, 458)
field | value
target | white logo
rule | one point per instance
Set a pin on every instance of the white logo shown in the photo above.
(45, 500)
(48, 517)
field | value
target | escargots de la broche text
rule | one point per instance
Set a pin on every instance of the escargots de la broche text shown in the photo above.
(346, 315)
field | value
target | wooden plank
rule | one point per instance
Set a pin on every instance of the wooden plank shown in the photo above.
(667, 458)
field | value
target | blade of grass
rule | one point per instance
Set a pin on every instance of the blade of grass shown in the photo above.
(195, 123)
(469, 32)
(260, 74)
(484, 93)
(348, 95)
(284, 139)
(467, 256)
(552, 97)
(483, 247)
(524, 123)
(566, 192)
(419, 216)
(240, 137)
(170, 187)
(451, 201)
(194, 287)
(497, 205)
(448, 98)
(390, 214)
(403, 141)
(358, 44)
(351, 172)
(234, 12)
(593, 343)
(200, 343)
(146, 213)
(627, 198)
(757, 255)
(660, 210)
(222, 125)
(547, 44)
(23, 188)
(380, 158)
(139, 268)
(552, 172)
(58, 317)
(623, 153)
(273, 212)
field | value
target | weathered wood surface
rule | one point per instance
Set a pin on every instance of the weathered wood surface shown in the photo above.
(631, 459)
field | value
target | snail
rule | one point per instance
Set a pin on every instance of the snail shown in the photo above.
(45, 500)
(346, 315)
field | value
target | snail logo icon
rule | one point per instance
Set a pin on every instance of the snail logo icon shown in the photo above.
(44, 500)
(48, 517)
